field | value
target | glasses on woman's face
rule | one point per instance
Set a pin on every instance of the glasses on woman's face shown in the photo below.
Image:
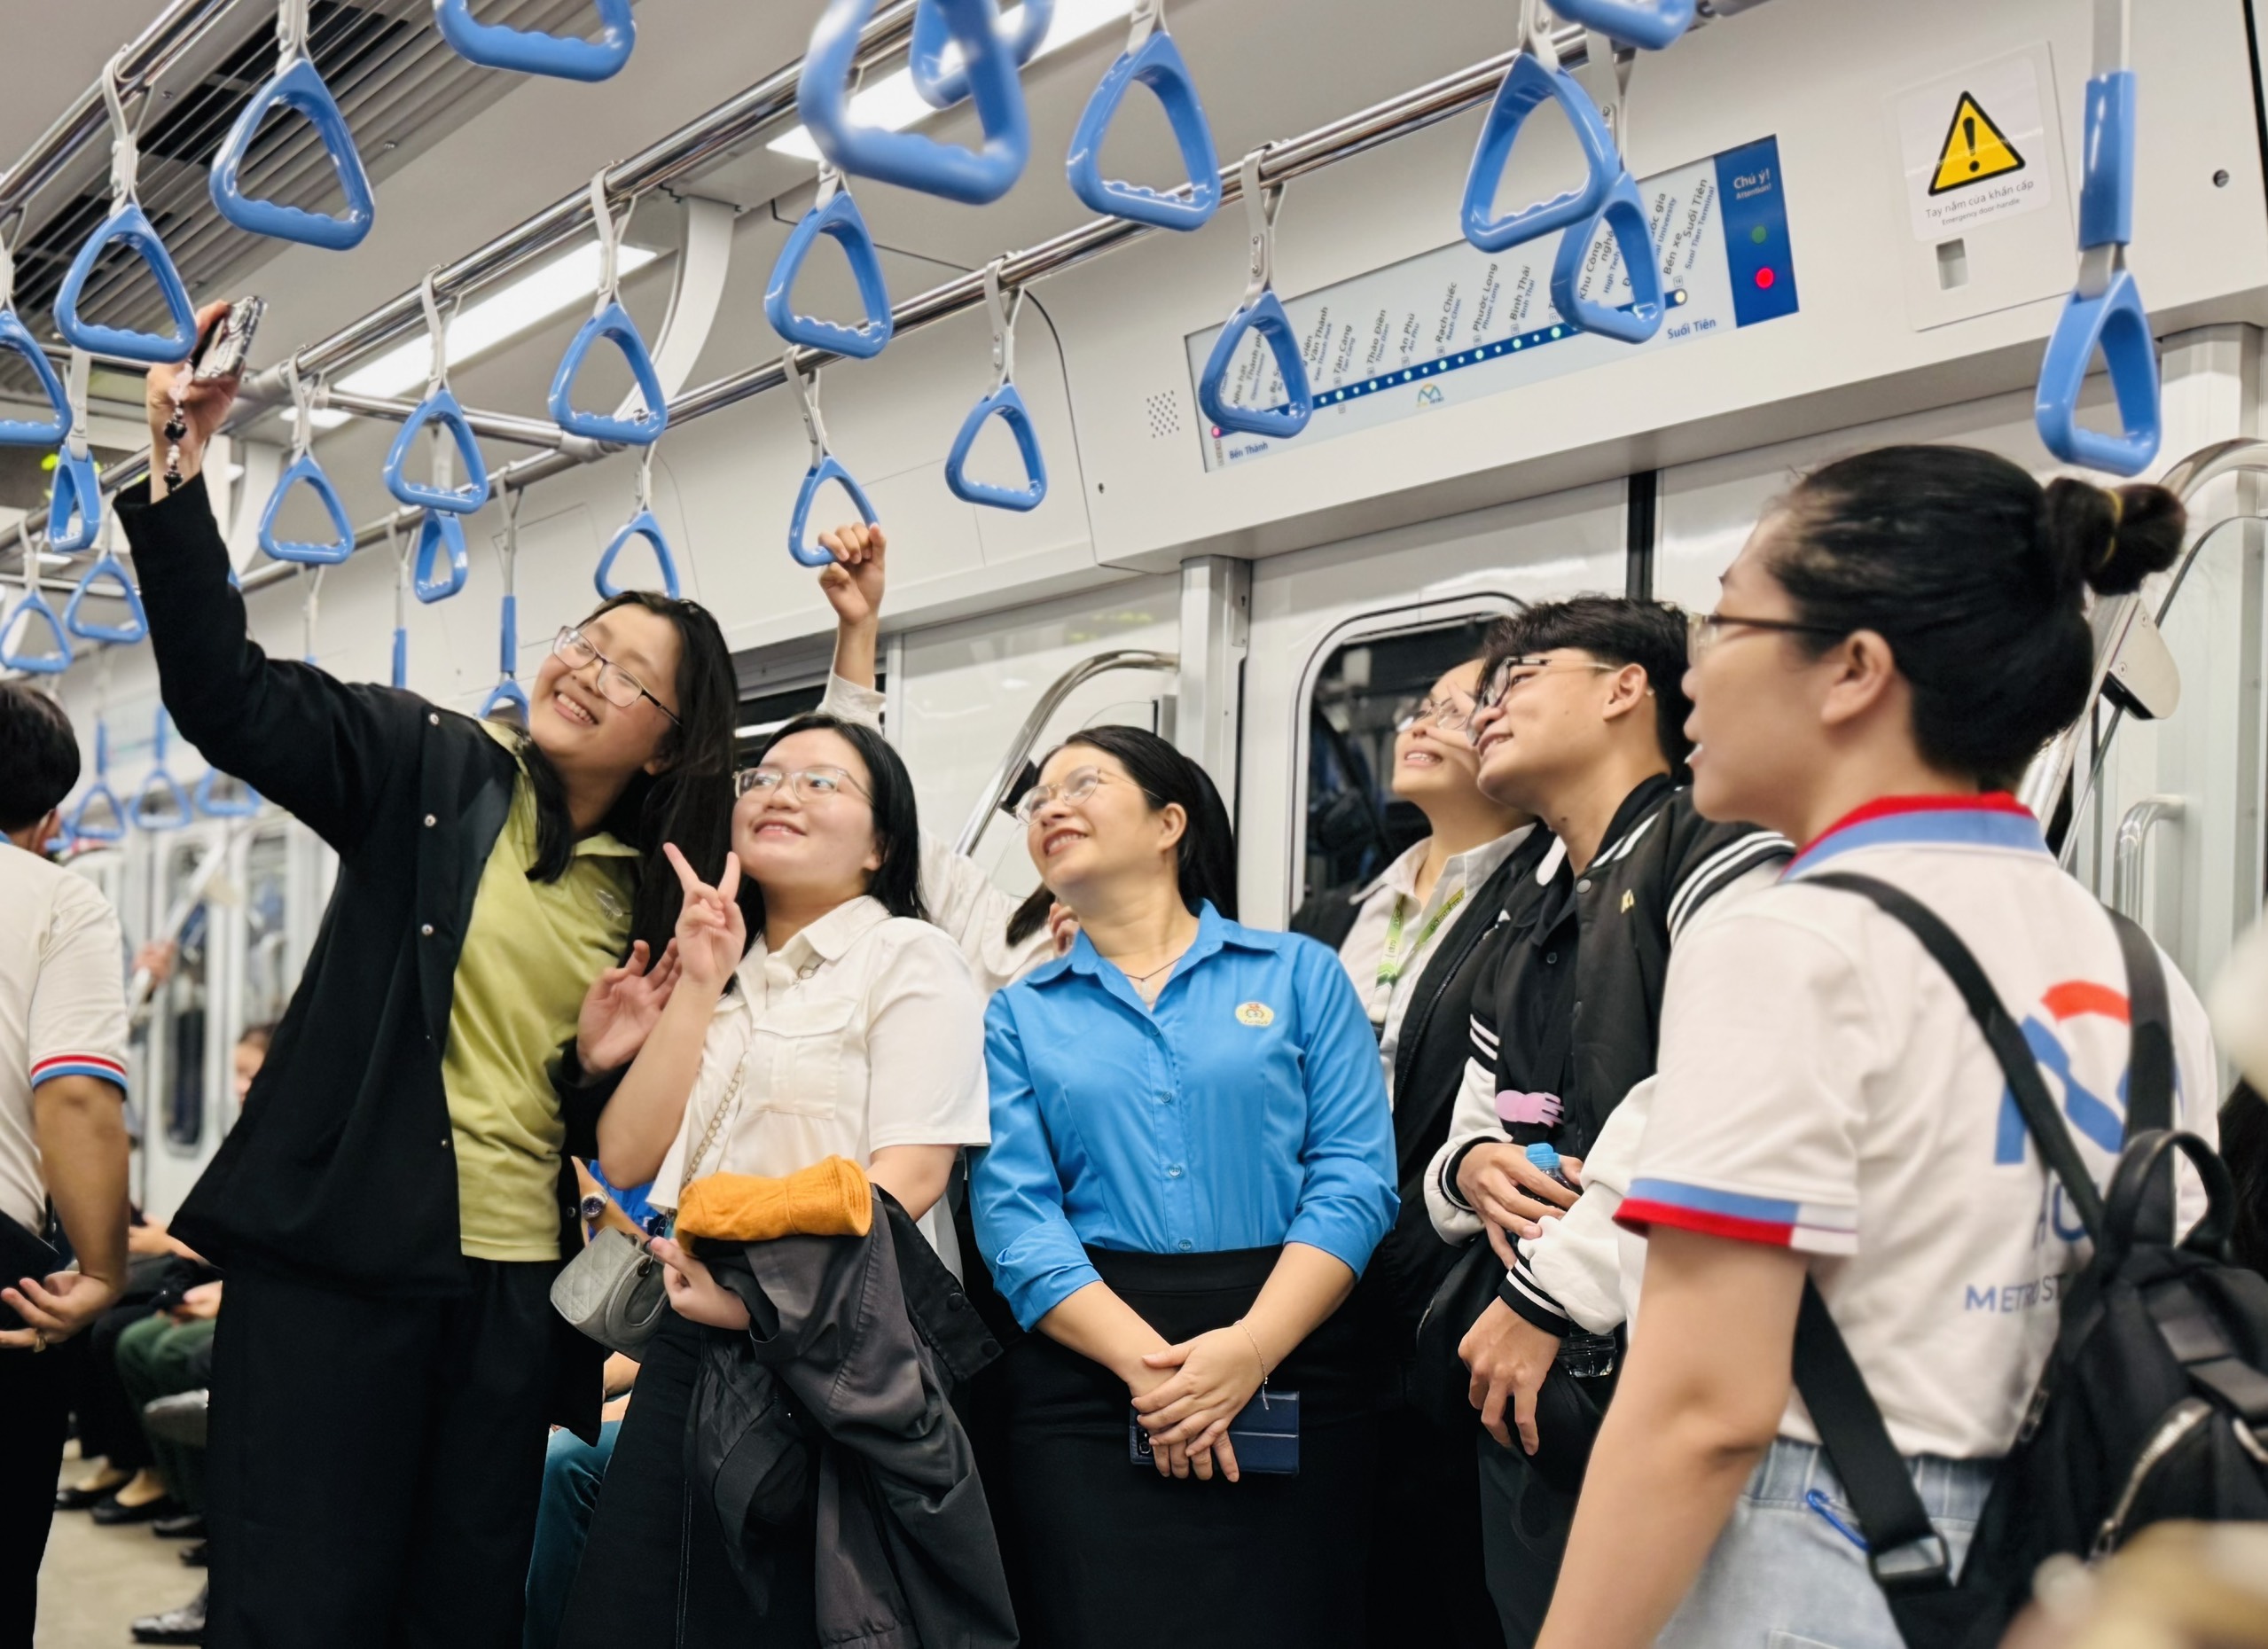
(805, 785)
(1447, 715)
(1514, 674)
(1075, 787)
(616, 685)
(1705, 632)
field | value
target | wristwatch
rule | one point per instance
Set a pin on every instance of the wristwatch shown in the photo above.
(592, 1208)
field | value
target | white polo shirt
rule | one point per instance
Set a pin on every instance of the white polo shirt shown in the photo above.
(865, 1031)
(1823, 1087)
(62, 1007)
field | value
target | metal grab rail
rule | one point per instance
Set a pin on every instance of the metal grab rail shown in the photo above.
(2133, 841)
(995, 794)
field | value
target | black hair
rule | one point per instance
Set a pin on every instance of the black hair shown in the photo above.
(39, 756)
(2244, 1147)
(689, 802)
(1976, 576)
(1205, 861)
(898, 826)
(1028, 918)
(1614, 630)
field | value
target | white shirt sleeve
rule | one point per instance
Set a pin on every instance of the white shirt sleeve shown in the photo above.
(78, 1003)
(1576, 1262)
(925, 1048)
(1473, 1117)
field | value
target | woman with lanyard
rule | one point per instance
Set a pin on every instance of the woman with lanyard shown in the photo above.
(851, 1028)
(1898, 637)
(1410, 911)
(394, 1204)
(1193, 1160)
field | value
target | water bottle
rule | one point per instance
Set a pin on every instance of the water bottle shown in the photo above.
(1584, 1354)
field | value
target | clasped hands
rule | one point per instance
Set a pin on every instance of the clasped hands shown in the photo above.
(1186, 1395)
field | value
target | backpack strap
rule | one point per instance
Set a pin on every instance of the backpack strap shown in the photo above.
(2149, 1072)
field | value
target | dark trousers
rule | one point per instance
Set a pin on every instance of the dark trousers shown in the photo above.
(34, 1414)
(159, 1357)
(1428, 1580)
(375, 1464)
(654, 1569)
(1524, 1524)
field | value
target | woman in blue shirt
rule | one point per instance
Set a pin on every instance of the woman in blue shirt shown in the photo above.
(1192, 1158)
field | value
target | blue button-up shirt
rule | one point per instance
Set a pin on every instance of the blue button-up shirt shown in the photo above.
(1246, 1110)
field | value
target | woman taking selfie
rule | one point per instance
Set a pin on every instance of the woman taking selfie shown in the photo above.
(394, 1204)
(1898, 639)
(851, 1028)
(1193, 1160)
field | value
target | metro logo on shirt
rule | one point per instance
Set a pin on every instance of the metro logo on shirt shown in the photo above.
(2091, 1064)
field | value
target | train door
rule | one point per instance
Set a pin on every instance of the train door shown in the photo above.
(185, 1050)
(1342, 635)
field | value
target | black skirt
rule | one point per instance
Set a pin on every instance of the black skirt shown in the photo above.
(1116, 1555)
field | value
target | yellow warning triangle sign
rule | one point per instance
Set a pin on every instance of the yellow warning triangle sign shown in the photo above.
(1974, 149)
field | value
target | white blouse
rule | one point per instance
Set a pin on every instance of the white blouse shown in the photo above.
(865, 1031)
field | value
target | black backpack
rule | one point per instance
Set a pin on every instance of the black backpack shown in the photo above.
(2153, 1403)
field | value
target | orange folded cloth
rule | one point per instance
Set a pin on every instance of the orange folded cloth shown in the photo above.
(829, 1199)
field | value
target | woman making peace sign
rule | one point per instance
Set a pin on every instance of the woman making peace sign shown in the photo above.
(852, 1027)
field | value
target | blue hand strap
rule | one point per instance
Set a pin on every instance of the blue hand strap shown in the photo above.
(439, 407)
(1624, 217)
(1261, 312)
(83, 827)
(495, 45)
(440, 533)
(295, 85)
(16, 339)
(613, 322)
(2105, 310)
(825, 467)
(401, 675)
(137, 627)
(507, 691)
(161, 804)
(642, 525)
(132, 230)
(30, 612)
(1002, 402)
(214, 804)
(74, 503)
(837, 217)
(908, 159)
(1151, 59)
(941, 87)
(304, 470)
(1650, 25)
(1528, 84)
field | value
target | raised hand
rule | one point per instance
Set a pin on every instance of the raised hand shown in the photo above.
(620, 1008)
(203, 406)
(853, 585)
(712, 935)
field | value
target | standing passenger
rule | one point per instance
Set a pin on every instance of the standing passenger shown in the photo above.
(396, 1200)
(1193, 1160)
(1895, 641)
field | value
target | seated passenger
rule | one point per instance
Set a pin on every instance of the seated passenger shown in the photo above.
(573, 1472)
(850, 1028)
(1193, 1160)
(1898, 637)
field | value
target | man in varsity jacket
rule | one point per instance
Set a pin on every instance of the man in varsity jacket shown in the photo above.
(1582, 725)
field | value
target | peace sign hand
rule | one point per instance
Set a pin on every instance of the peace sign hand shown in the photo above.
(712, 935)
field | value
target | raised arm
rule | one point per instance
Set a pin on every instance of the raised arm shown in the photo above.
(309, 743)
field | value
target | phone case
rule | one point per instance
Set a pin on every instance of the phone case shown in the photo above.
(1265, 1435)
(22, 1254)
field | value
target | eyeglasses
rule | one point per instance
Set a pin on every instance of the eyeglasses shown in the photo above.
(1445, 713)
(1077, 786)
(1705, 631)
(616, 685)
(804, 785)
(1514, 674)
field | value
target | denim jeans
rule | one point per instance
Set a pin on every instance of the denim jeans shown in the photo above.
(1783, 1576)
(573, 1472)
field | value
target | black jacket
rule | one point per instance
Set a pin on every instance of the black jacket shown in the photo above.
(836, 1403)
(341, 1172)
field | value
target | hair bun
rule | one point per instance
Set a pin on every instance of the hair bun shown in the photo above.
(2109, 541)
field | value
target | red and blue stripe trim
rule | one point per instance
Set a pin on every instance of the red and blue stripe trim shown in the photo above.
(96, 1065)
(1733, 1213)
(1993, 820)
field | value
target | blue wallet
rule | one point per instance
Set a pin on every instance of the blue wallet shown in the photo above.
(1265, 1435)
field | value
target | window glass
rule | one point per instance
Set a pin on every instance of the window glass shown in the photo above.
(186, 1007)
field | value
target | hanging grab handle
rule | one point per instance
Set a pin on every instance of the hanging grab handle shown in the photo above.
(1150, 60)
(295, 85)
(439, 407)
(161, 804)
(836, 216)
(16, 339)
(80, 825)
(130, 228)
(137, 627)
(32, 612)
(1534, 79)
(908, 159)
(1261, 312)
(825, 467)
(440, 533)
(508, 693)
(1650, 25)
(75, 504)
(304, 470)
(402, 554)
(642, 524)
(942, 85)
(1001, 402)
(2105, 308)
(611, 321)
(529, 51)
(1624, 216)
(213, 804)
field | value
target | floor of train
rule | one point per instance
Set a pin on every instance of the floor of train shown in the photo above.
(96, 1581)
